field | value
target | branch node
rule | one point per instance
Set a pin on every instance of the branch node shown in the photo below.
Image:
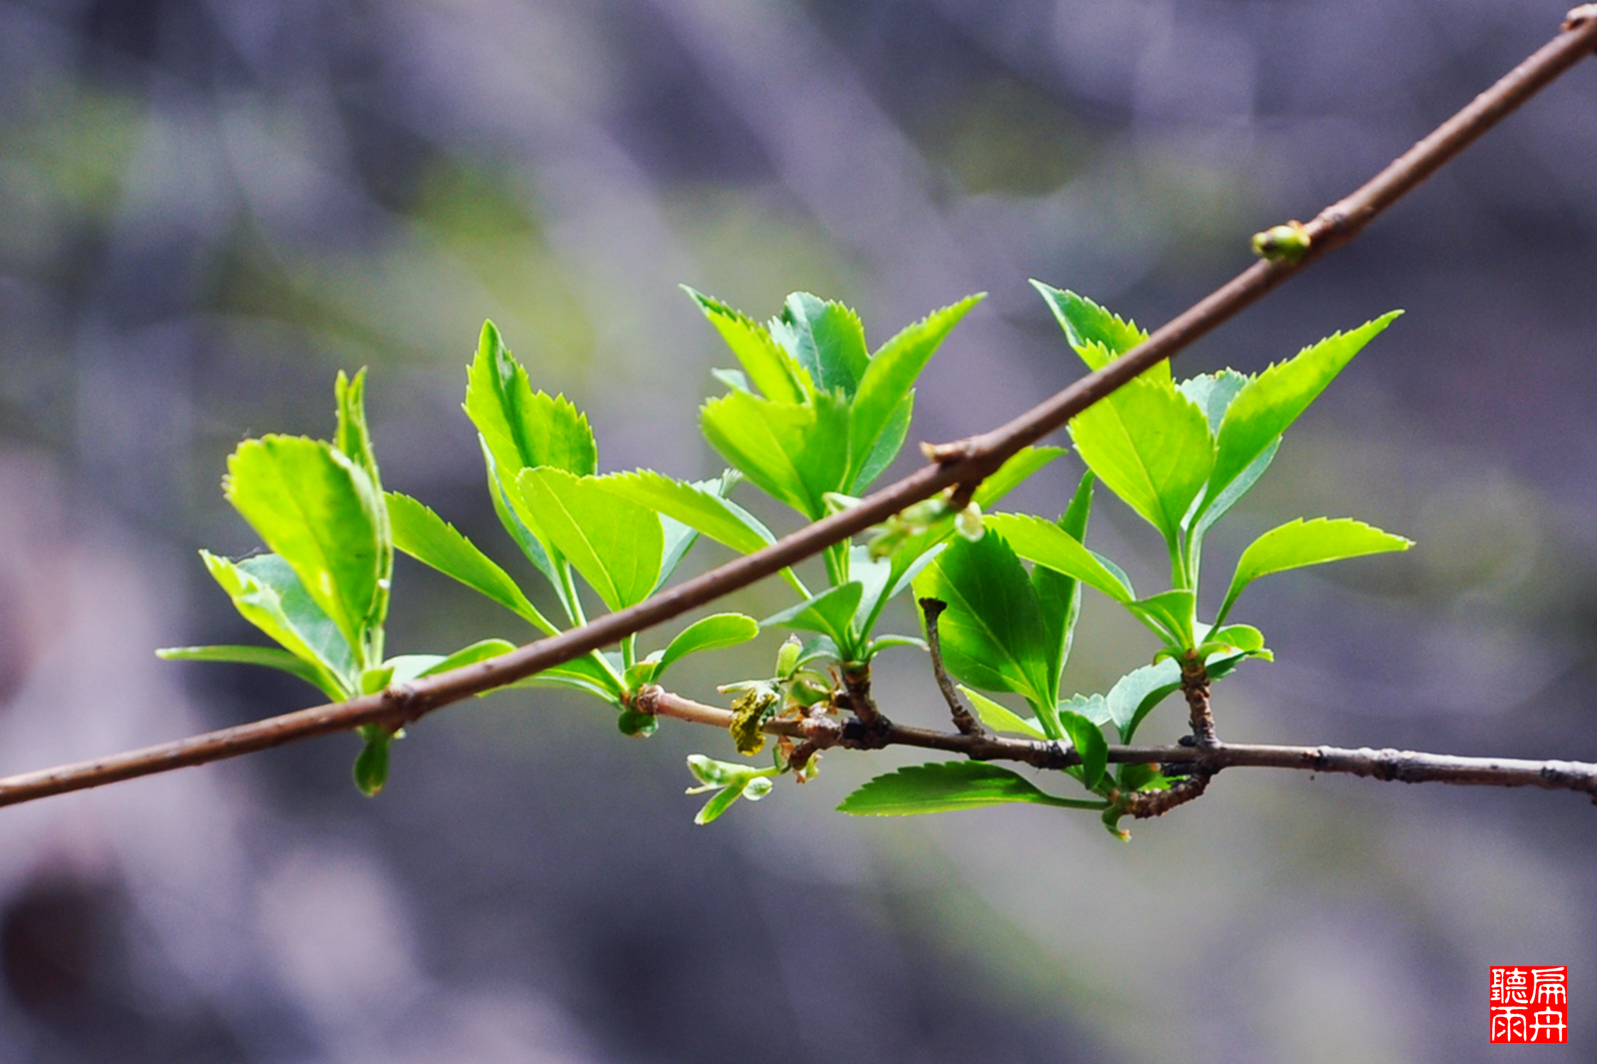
(406, 702)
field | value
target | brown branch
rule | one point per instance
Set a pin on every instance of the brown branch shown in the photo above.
(963, 719)
(966, 462)
(1195, 688)
(1404, 766)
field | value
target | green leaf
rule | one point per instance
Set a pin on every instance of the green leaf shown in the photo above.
(1020, 465)
(1045, 543)
(1150, 445)
(1270, 402)
(944, 786)
(1096, 335)
(828, 613)
(1136, 693)
(880, 454)
(407, 667)
(886, 383)
(1171, 614)
(1238, 487)
(317, 511)
(1298, 543)
(1059, 595)
(505, 507)
(1243, 637)
(710, 633)
(353, 438)
(992, 632)
(775, 372)
(615, 544)
(693, 505)
(589, 674)
(428, 538)
(761, 439)
(1000, 718)
(1089, 742)
(272, 657)
(522, 428)
(826, 338)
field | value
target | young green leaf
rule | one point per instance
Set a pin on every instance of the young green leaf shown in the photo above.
(1041, 541)
(1150, 445)
(992, 632)
(826, 338)
(774, 371)
(761, 439)
(615, 544)
(879, 455)
(406, 667)
(431, 540)
(1097, 335)
(1060, 595)
(272, 657)
(1020, 465)
(522, 428)
(590, 674)
(944, 786)
(1000, 718)
(1089, 742)
(506, 508)
(1270, 402)
(317, 511)
(1216, 509)
(1171, 614)
(371, 764)
(1299, 543)
(709, 633)
(695, 505)
(886, 383)
(829, 613)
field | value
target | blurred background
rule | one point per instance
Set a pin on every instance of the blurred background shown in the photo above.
(208, 207)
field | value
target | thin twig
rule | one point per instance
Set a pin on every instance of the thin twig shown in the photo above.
(966, 462)
(964, 720)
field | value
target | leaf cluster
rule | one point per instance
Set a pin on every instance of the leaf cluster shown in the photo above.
(811, 416)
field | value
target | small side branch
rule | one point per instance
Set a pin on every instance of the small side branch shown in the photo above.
(964, 720)
(1195, 688)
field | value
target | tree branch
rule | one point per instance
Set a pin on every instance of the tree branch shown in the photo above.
(963, 463)
(1405, 766)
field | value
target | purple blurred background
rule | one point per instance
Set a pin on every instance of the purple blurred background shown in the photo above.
(207, 207)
